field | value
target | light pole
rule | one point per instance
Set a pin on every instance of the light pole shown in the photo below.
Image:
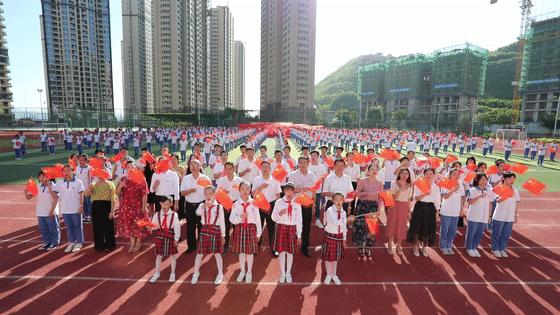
(41, 104)
(437, 123)
(556, 119)
(473, 117)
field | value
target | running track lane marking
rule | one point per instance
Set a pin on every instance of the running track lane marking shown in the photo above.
(275, 283)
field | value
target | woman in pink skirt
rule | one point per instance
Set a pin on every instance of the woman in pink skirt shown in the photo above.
(397, 216)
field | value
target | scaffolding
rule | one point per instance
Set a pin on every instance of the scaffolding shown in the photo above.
(371, 82)
(541, 56)
(500, 75)
(408, 77)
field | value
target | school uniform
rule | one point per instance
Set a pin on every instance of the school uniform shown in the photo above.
(301, 181)
(270, 193)
(288, 226)
(450, 212)
(69, 200)
(335, 234)
(477, 216)
(502, 221)
(48, 226)
(232, 186)
(168, 186)
(246, 232)
(168, 232)
(212, 230)
(192, 201)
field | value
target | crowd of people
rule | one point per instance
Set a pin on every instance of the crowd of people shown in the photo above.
(330, 185)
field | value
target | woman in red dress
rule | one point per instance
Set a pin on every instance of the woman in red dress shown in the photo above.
(132, 206)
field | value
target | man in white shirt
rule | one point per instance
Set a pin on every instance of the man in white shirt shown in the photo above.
(70, 197)
(279, 162)
(83, 174)
(165, 184)
(271, 191)
(213, 160)
(337, 182)
(218, 169)
(230, 183)
(247, 168)
(320, 170)
(43, 138)
(303, 180)
(193, 192)
(389, 167)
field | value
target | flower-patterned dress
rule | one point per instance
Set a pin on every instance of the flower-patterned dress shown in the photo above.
(130, 210)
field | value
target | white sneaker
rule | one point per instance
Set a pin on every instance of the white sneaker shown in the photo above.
(195, 276)
(282, 278)
(416, 252)
(241, 276)
(219, 279)
(450, 252)
(328, 280)
(425, 251)
(288, 278)
(476, 253)
(77, 247)
(471, 253)
(497, 253)
(248, 278)
(69, 247)
(319, 224)
(172, 277)
(154, 278)
(504, 254)
(43, 247)
(336, 280)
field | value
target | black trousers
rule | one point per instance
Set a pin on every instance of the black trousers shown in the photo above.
(159, 198)
(306, 216)
(270, 224)
(181, 212)
(353, 203)
(229, 227)
(193, 223)
(103, 228)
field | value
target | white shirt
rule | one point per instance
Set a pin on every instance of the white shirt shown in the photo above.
(333, 224)
(352, 171)
(215, 215)
(294, 219)
(168, 184)
(270, 192)
(189, 182)
(284, 165)
(218, 169)
(390, 167)
(253, 216)
(434, 196)
(303, 181)
(480, 210)
(183, 145)
(44, 201)
(82, 173)
(69, 195)
(319, 170)
(452, 206)
(505, 211)
(213, 160)
(170, 214)
(231, 186)
(245, 164)
(333, 183)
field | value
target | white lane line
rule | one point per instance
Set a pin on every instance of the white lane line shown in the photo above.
(274, 283)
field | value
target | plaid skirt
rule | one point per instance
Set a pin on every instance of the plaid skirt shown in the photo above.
(164, 243)
(333, 248)
(245, 239)
(210, 240)
(285, 238)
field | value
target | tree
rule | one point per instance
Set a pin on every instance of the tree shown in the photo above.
(344, 100)
(496, 102)
(374, 113)
(548, 120)
(496, 116)
(399, 115)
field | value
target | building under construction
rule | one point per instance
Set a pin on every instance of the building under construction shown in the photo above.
(444, 85)
(540, 73)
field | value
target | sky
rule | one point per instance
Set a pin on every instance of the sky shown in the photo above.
(345, 29)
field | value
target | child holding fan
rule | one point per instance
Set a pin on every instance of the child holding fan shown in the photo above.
(504, 217)
(166, 236)
(288, 217)
(334, 240)
(248, 229)
(46, 210)
(211, 235)
(480, 202)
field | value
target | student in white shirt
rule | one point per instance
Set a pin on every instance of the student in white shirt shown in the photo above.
(194, 196)
(214, 157)
(451, 206)
(288, 218)
(422, 230)
(218, 168)
(480, 202)
(246, 168)
(230, 183)
(271, 190)
(389, 167)
(165, 184)
(212, 234)
(46, 210)
(504, 216)
(278, 161)
(167, 234)
(70, 197)
(320, 171)
(334, 240)
(337, 182)
(248, 229)
(83, 173)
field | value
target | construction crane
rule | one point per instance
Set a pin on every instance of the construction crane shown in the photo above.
(525, 6)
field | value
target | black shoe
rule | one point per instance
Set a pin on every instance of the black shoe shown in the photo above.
(305, 253)
(275, 254)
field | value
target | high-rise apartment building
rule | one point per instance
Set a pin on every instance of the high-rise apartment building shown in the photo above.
(220, 41)
(288, 60)
(5, 85)
(239, 75)
(136, 52)
(76, 38)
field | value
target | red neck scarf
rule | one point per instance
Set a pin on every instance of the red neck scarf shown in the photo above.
(290, 208)
(245, 206)
(208, 214)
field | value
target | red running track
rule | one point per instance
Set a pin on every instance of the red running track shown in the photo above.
(88, 282)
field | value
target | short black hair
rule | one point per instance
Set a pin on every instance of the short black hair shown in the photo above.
(508, 175)
(339, 161)
(478, 177)
(304, 148)
(314, 151)
(165, 198)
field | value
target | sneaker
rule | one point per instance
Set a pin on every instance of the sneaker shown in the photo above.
(504, 253)
(77, 247)
(336, 280)
(154, 278)
(288, 278)
(51, 247)
(319, 224)
(282, 278)
(248, 278)
(219, 279)
(450, 252)
(416, 252)
(444, 251)
(425, 251)
(195, 276)
(43, 247)
(497, 253)
(69, 247)
(241, 276)
(476, 253)
(328, 280)
(471, 253)
(172, 277)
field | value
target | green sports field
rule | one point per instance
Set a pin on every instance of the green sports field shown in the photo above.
(14, 172)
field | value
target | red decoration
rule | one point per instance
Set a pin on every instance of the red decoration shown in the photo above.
(31, 187)
(504, 191)
(469, 177)
(451, 158)
(329, 162)
(203, 182)
(447, 183)
(304, 200)
(95, 162)
(148, 157)
(53, 172)
(291, 164)
(223, 198)
(100, 173)
(351, 195)
(471, 166)
(359, 158)
(145, 223)
(72, 163)
(279, 173)
(493, 169)
(260, 202)
(519, 168)
(117, 157)
(435, 162)
(424, 185)
(317, 185)
(136, 176)
(390, 154)
(163, 166)
(387, 199)
(373, 225)
(534, 186)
